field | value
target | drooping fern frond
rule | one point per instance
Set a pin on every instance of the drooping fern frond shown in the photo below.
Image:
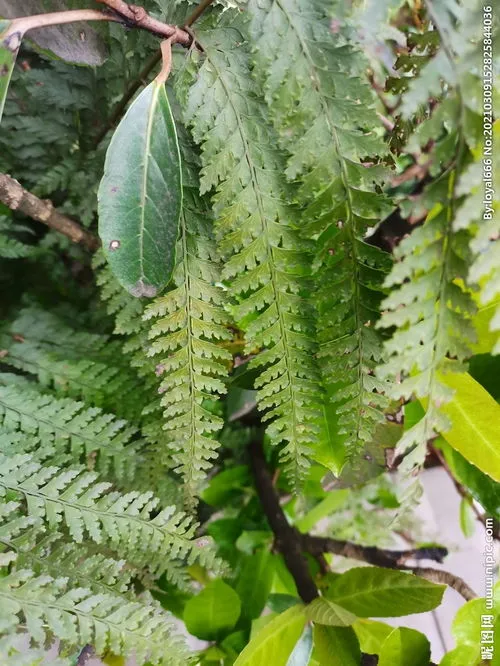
(326, 121)
(48, 552)
(77, 616)
(429, 305)
(187, 326)
(128, 523)
(71, 430)
(63, 590)
(79, 364)
(266, 263)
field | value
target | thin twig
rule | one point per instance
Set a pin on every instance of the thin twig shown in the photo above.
(166, 52)
(13, 195)
(380, 557)
(137, 17)
(143, 75)
(22, 24)
(445, 578)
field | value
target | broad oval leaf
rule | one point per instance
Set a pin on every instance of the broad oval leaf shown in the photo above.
(140, 195)
(275, 642)
(377, 592)
(405, 647)
(323, 611)
(336, 646)
(254, 583)
(371, 635)
(475, 419)
(9, 46)
(213, 612)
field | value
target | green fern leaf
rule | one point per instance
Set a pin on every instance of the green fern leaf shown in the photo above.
(78, 616)
(188, 325)
(266, 261)
(88, 509)
(326, 121)
(70, 429)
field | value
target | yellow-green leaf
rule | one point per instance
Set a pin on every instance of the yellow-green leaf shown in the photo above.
(324, 611)
(475, 423)
(140, 195)
(275, 642)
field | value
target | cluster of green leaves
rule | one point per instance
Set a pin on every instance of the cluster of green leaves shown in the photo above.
(250, 193)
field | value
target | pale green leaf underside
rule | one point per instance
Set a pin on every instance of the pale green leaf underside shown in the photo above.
(140, 195)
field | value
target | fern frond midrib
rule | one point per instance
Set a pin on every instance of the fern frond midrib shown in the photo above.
(99, 512)
(121, 628)
(189, 464)
(91, 443)
(271, 263)
(349, 222)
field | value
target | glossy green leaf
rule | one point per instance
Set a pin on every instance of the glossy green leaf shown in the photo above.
(377, 592)
(324, 611)
(405, 647)
(301, 653)
(77, 42)
(481, 487)
(140, 195)
(226, 484)
(336, 646)
(9, 46)
(254, 583)
(371, 635)
(465, 655)
(213, 612)
(275, 642)
(475, 419)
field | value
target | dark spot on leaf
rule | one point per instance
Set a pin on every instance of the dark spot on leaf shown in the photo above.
(4, 71)
(114, 245)
(114, 189)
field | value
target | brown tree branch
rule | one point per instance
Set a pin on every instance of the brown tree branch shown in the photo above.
(286, 537)
(137, 17)
(390, 559)
(293, 545)
(445, 578)
(15, 197)
(22, 24)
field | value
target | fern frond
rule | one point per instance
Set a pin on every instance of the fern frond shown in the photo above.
(187, 326)
(72, 430)
(129, 523)
(15, 652)
(266, 262)
(75, 363)
(326, 121)
(429, 304)
(77, 616)
(10, 246)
